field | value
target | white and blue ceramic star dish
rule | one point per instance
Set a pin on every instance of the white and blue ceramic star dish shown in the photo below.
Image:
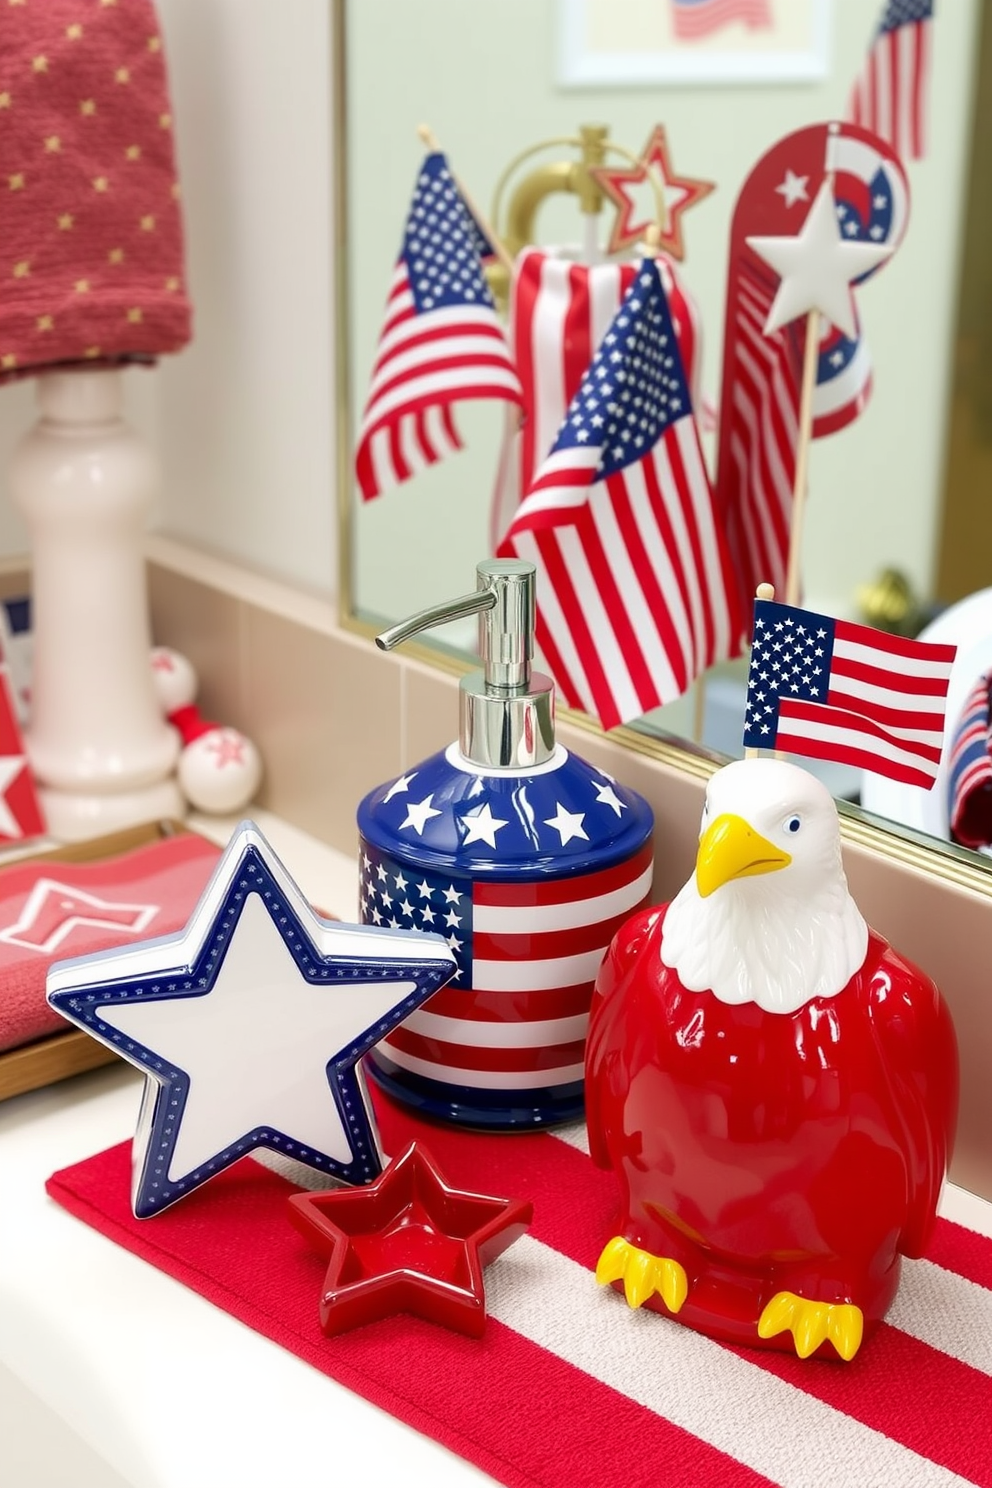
(250, 1025)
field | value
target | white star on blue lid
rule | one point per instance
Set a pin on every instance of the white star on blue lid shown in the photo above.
(249, 1025)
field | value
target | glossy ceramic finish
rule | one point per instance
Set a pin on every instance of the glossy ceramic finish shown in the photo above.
(768, 1152)
(527, 874)
(250, 1025)
(85, 484)
(407, 1243)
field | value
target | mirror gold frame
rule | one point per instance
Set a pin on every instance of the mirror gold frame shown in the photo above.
(943, 862)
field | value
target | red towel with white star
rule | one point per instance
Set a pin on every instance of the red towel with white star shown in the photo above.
(568, 1388)
(91, 253)
(20, 812)
(51, 910)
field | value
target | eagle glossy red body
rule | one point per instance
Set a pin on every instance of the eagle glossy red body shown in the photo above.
(765, 1151)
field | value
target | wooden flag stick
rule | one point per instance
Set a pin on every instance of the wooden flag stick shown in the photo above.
(803, 443)
(429, 141)
(763, 591)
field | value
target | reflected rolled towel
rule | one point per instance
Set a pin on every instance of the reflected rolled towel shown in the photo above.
(970, 772)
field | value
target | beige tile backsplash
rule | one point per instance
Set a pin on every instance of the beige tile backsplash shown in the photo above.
(333, 718)
(326, 718)
(205, 625)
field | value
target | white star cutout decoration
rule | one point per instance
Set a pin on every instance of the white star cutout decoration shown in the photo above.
(249, 1025)
(481, 826)
(398, 787)
(419, 813)
(793, 188)
(608, 797)
(567, 824)
(816, 267)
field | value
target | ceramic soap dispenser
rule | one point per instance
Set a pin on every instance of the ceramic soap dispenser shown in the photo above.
(526, 858)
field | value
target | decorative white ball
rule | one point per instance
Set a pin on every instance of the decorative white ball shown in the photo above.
(175, 679)
(220, 771)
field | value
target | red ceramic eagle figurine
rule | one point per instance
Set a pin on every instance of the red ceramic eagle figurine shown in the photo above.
(774, 1087)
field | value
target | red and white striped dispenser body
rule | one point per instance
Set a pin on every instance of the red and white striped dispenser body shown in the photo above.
(528, 873)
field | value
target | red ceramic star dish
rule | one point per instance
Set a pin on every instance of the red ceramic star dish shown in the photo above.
(680, 193)
(407, 1243)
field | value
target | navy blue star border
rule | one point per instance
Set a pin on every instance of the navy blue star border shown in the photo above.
(168, 1088)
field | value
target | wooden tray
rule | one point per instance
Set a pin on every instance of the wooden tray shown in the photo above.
(63, 1054)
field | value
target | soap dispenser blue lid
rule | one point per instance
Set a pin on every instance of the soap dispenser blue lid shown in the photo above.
(563, 816)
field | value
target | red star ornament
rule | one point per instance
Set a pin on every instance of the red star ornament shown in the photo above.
(680, 193)
(407, 1243)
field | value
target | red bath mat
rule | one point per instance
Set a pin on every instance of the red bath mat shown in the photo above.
(569, 1388)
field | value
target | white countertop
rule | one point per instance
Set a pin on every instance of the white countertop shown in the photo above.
(87, 1398)
(84, 1325)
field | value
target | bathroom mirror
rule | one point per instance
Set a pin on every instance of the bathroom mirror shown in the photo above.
(492, 81)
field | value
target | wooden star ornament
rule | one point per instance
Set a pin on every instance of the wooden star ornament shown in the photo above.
(680, 194)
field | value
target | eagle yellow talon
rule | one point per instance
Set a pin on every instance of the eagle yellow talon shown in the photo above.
(812, 1322)
(642, 1274)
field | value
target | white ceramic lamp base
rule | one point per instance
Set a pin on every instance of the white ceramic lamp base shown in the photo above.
(101, 753)
(73, 816)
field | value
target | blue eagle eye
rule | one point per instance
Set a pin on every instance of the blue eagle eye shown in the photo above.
(792, 823)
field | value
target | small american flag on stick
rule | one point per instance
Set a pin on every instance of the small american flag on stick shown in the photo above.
(890, 96)
(635, 593)
(441, 342)
(833, 690)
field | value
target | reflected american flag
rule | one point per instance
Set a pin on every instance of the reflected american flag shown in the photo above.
(515, 1013)
(441, 342)
(634, 595)
(890, 96)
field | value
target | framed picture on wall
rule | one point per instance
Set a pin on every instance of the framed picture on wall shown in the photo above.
(640, 43)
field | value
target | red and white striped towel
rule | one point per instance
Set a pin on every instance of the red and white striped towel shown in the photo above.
(569, 1388)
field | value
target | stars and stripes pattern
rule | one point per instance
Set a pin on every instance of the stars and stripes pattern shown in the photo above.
(759, 432)
(872, 199)
(514, 1015)
(634, 592)
(559, 313)
(759, 424)
(441, 342)
(890, 96)
(479, 234)
(527, 874)
(834, 690)
(694, 18)
(969, 771)
(622, 1387)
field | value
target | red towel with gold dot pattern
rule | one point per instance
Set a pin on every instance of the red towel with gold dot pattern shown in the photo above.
(91, 249)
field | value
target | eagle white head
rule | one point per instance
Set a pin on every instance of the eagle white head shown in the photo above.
(766, 916)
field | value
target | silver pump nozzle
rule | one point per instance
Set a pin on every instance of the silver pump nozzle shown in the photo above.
(506, 712)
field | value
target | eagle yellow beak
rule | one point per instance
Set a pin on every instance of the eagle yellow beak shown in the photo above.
(730, 848)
